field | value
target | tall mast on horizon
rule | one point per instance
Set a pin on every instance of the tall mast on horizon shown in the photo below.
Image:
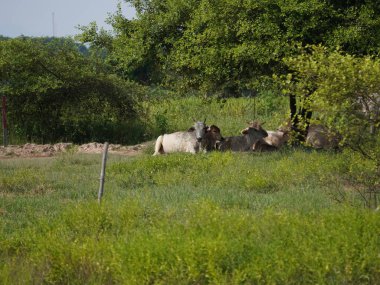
(53, 23)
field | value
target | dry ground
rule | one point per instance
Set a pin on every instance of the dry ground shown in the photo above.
(46, 150)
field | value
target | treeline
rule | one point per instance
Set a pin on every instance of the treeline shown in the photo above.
(229, 45)
(213, 48)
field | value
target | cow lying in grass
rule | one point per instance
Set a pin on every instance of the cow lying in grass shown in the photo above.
(274, 141)
(262, 146)
(318, 136)
(198, 138)
(212, 138)
(245, 142)
(181, 141)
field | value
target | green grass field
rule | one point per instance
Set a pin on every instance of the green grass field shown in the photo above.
(291, 217)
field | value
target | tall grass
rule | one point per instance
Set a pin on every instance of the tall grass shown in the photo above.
(202, 243)
(231, 115)
(218, 218)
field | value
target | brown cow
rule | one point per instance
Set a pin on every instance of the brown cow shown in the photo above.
(212, 138)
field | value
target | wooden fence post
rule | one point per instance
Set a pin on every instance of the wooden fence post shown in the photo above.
(103, 172)
(4, 120)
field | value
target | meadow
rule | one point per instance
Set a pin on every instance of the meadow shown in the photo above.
(291, 217)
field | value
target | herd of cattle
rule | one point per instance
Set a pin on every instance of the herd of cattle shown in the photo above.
(203, 138)
(254, 138)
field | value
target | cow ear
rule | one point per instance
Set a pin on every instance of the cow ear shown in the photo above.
(192, 129)
(245, 131)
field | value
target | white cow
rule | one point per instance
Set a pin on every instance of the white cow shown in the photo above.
(190, 141)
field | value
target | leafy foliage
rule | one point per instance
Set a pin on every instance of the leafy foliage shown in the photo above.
(343, 92)
(227, 46)
(57, 93)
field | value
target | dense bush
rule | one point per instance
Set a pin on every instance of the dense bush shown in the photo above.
(55, 93)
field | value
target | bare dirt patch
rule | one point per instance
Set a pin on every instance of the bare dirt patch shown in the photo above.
(47, 150)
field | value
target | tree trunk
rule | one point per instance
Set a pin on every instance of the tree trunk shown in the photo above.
(299, 116)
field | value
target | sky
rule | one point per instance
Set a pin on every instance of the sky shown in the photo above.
(35, 17)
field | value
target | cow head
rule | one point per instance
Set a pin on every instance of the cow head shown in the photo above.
(213, 132)
(200, 130)
(255, 130)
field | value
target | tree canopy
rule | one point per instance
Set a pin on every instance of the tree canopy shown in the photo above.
(229, 45)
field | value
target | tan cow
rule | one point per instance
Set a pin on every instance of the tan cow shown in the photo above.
(272, 142)
(262, 146)
(245, 142)
(318, 136)
(277, 138)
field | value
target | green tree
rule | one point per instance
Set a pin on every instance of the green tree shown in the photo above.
(230, 44)
(57, 93)
(345, 97)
